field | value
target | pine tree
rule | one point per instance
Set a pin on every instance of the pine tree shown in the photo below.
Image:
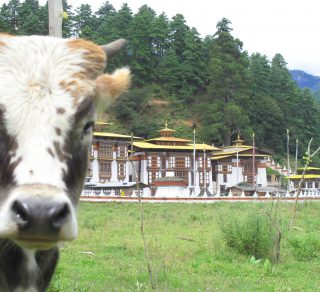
(105, 12)
(67, 23)
(160, 38)
(9, 17)
(84, 22)
(194, 61)
(265, 114)
(228, 80)
(178, 35)
(142, 61)
(31, 20)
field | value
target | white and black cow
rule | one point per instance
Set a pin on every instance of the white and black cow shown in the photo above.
(49, 88)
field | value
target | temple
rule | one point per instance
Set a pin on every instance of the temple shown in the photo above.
(168, 166)
(311, 180)
(239, 164)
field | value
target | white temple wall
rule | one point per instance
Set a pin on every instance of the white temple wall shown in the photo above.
(132, 171)
(170, 192)
(262, 177)
(144, 173)
(114, 171)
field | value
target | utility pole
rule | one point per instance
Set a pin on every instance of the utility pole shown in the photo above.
(288, 154)
(55, 18)
(204, 171)
(194, 161)
(253, 161)
(296, 161)
(288, 158)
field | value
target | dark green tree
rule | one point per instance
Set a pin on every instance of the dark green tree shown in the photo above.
(84, 22)
(160, 38)
(31, 21)
(305, 124)
(131, 109)
(183, 68)
(170, 72)
(141, 46)
(9, 17)
(194, 65)
(178, 35)
(228, 80)
(115, 25)
(105, 12)
(67, 24)
(266, 116)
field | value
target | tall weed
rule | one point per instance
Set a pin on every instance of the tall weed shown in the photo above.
(305, 247)
(248, 235)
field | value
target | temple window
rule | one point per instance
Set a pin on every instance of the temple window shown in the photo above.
(180, 162)
(105, 151)
(121, 169)
(171, 162)
(122, 151)
(200, 160)
(153, 175)
(154, 161)
(182, 174)
(187, 161)
(105, 168)
(202, 176)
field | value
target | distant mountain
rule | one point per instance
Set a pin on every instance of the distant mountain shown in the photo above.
(306, 80)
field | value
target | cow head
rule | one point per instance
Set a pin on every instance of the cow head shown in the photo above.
(49, 89)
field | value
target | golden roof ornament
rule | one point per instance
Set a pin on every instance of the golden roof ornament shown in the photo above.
(238, 141)
(166, 131)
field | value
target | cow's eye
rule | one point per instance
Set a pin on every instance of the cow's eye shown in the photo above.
(87, 129)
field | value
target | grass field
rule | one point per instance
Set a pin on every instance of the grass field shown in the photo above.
(187, 250)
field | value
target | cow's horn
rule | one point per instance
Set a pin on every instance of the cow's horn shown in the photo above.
(112, 48)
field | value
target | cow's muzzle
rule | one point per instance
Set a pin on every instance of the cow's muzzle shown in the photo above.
(41, 216)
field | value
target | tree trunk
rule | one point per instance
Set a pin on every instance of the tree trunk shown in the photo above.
(277, 247)
(227, 138)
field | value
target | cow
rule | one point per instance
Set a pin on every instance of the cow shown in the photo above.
(49, 90)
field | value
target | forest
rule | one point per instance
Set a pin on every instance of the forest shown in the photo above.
(210, 83)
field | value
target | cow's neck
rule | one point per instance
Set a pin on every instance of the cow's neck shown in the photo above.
(25, 270)
(31, 267)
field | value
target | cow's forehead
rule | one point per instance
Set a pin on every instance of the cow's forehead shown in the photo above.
(44, 82)
(44, 67)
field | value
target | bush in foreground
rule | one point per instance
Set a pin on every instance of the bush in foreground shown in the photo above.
(249, 235)
(305, 247)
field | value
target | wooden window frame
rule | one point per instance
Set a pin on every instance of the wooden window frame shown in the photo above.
(105, 169)
(105, 151)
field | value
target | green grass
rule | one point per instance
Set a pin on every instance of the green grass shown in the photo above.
(186, 247)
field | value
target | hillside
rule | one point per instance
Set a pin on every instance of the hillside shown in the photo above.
(187, 80)
(306, 80)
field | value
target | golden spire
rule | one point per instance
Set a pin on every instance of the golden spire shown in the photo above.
(166, 132)
(238, 141)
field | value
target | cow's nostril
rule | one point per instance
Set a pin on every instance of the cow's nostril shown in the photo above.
(21, 211)
(59, 215)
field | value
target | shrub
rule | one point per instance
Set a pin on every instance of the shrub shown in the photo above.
(305, 247)
(249, 235)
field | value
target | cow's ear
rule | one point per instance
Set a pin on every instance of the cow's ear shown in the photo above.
(110, 86)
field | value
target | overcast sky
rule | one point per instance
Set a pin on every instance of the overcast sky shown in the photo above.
(288, 27)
